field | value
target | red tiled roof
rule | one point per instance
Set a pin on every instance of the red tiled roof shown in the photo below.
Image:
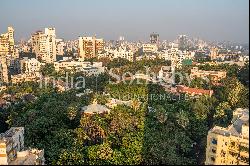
(184, 89)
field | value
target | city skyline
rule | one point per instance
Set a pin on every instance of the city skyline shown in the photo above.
(208, 20)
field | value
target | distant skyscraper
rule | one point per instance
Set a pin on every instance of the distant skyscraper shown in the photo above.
(183, 42)
(154, 38)
(121, 38)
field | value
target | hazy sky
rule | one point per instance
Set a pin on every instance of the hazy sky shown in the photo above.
(133, 19)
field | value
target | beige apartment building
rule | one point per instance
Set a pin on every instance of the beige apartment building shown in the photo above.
(214, 52)
(149, 48)
(44, 45)
(12, 150)
(7, 42)
(230, 145)
(3, 70)
(89, 47)
(215, 76)
(60, 46)
(26, 77)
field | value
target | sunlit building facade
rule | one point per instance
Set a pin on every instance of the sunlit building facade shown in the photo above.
(230, 145)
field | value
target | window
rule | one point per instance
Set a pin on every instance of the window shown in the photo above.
(214, 141)
(243, 148)
(213, 150)
(223, 153)
(244, 159)
(213, 159)
(232, 144)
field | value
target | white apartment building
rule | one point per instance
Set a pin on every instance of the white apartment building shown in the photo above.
(44, 45)
(149, 48)
(121, 52)
(30, 65)
(165, 54)
(86, 67)
(177, 56)
(60, 46)
(69, 64)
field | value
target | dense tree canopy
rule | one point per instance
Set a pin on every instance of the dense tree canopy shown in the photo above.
(156, 128)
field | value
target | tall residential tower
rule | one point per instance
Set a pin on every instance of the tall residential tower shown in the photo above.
(44, 45)
(89, 47)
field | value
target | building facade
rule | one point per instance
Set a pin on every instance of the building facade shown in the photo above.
(154, 38)
(89, 47)
(30, 65)
(215, 76)
(193, 91)
(44, 45)
(12, 149)
(60, 47)
(7, 42)
(25, 77)
(149, 48)
(80, 66)
(214, 53)
(3, 70)
(230, 145)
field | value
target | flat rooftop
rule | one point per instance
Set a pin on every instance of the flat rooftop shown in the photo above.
(235, 129)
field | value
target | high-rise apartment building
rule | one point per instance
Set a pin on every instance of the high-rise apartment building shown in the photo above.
(213, 53)
(60, 46)
(89, 47)
(44, 45)
(154, 38)
(7, 42)
(3, 70)
(183, 42)
(230, 145)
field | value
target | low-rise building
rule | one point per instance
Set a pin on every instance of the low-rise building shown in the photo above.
(230, 145)
(215, 76)
(95, 109)
(26, 77)
(149, 48)
(115, 102)
(193, 91)
(12, 150)
(86, 67)
(121, 52)
(30, 65)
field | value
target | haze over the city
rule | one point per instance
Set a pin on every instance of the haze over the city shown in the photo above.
(207, 19)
